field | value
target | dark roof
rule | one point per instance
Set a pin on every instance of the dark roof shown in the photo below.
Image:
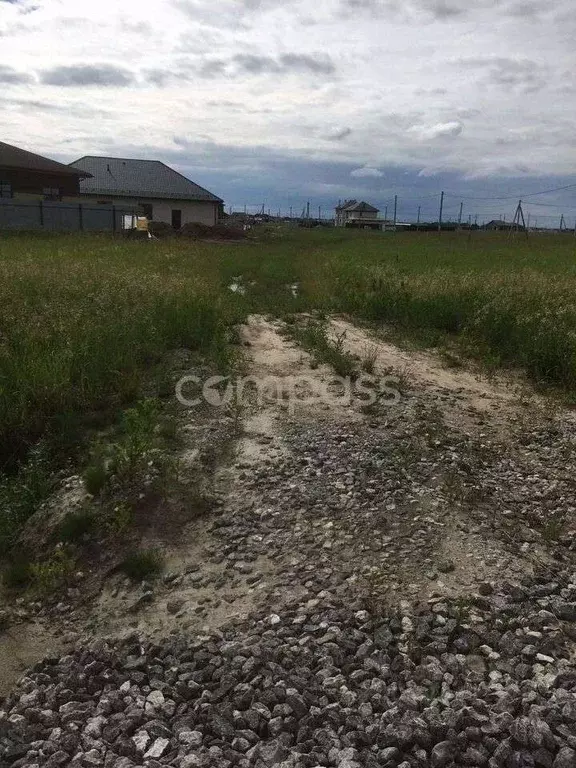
(345, 205)
(14, 157)
(365, 207)
(138, 178)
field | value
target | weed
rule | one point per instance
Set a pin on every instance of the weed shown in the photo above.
(313, 336)
(50, 574)
(450, 360)
(96, 475)
(22, 493)
(76, 525)
(119, 520)
(17, 574)
(460, 609)
(145, 564)
(369, 359)
(120, 464)
(137, 441)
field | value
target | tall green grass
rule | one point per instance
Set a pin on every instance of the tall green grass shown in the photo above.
(80, 322)
(83, 318)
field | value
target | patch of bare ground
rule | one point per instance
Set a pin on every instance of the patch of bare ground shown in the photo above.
(412, 500)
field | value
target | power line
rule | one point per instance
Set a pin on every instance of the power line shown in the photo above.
(516, 195)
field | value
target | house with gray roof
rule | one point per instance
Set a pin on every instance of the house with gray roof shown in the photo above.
(160, 192)
(357, 215)
(26, 175)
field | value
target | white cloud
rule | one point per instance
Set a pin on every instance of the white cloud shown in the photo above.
(437, 131)
(366, 172)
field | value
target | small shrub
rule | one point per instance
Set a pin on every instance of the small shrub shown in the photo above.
(315, 339)
(76, 525)
(18, 574)
(145, 564)
(96, 477)
(369, 359)
(120, 519)
(50, 574)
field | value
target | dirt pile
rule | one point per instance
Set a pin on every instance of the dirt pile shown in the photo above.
(217, 232)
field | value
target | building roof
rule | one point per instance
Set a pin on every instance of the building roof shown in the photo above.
(361, 207)
(138, 178)
(354, 205)
(343, 206)
(13, 157)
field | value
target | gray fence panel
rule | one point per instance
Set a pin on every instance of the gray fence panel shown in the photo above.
(20, 215)
(57, 216)
(61, 216)
(97, 218)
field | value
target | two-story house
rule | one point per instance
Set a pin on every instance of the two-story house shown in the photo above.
(353, 214)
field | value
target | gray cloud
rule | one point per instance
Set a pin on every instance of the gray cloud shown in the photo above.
(320, 64)
(11, 76)
(231, 13)
(518, 75)
(338, 134)
(103, 75)
(252, 64)
(242, 64)
(33, 106)
(444, 10)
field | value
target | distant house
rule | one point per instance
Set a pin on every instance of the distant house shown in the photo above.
(496, 224)
(26, 175)
(161, 193)
(353, 214)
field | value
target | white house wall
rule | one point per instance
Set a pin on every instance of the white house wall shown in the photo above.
(192, 212)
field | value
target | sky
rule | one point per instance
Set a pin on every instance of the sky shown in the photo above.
(277, 102)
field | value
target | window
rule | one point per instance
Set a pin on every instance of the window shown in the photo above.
(5, 189)
(148, 210)
(52, 193)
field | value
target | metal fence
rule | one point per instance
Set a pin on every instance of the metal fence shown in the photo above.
(58, 216)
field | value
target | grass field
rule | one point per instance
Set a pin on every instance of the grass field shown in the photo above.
(84, 319)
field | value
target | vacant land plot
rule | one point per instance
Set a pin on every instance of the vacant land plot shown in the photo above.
(84, 320)
(295, 580)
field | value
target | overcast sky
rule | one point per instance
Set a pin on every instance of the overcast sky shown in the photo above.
(280, 101)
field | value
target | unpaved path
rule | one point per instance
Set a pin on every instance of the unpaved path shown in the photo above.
(426, 497)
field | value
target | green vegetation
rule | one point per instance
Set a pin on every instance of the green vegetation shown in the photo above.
(313, 336)
(145, 564)
(43, 576)
(86, 321)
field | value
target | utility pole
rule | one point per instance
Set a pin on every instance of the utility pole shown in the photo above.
(395, 210)
(440, 213)
(518, 220)
(562, 224)
(460, 215)
(244, 209)
(418, 217)
(290, 211)
(469, 220)
(319, 212)
(476, 220)
(308, 209)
